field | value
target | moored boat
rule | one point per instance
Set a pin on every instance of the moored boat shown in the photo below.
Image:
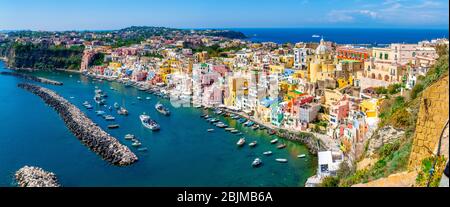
(210, 130)
(253, 144)
(241, 142)
(257, 162)
(122, 111)
(281, 160)
(281, 146)
(149, 123)
(113, 126)
(129, 137)
(274, 141)
(162, 109)
(301, 156)
(267, 153)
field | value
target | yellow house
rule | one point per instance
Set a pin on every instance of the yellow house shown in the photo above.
(236, 86)
(342, 82)
(115, 65)
(370, 107)
(276, 68)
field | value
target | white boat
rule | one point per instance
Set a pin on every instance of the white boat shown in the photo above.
(86, 103)
(122, 111)
(139, 98)
(129, 137)
(148, 98)
(148, 122)
(301, 156)
(241, 142)
(136, 144)
(210, 130)
(316, 36)
(162, 109)
(88, 106)
(100, 113)
(257, 162)
(281, 160)
(274, 141)
(253, 144)
(109, 118)
(267, 153)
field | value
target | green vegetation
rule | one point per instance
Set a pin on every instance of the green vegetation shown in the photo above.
(330, 182)
(391, 89)
(215, 50)
(156, 55)
(424, 175)
(39, 56)
(98, 59)
(121, 42)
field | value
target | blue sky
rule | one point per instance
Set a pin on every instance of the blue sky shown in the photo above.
(115, 14)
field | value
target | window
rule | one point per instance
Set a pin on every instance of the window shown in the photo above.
(386, 56)
(324, 168)
(414, 54)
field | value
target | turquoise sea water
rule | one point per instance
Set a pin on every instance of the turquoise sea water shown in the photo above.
(182, 154)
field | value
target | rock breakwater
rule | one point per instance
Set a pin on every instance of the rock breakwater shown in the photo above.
(29, 176)
(108, 147)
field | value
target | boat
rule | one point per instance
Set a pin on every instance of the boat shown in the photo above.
(255, 127)
(71, 97)
(262, 127)
(113, 126)
(98, 99)
(88, 106)
(249, 124)
(281, 160)
(272, 132)
(257, 162)
(162, 109)
(281, 146)
(100, 113)
(274, 141)
(149, 123)
(242, 120)
(253, 144)
(316, 36)
(148, 98)
(136, 144)
(229, 129)
(301, 156)
(139, 98)
(143, 149)
(122, 111)
(116, 105)
(241, 142)
(267, 153)
(109, 118)
(86, 103)
(129, 137)
(210, 130)
(234, 131)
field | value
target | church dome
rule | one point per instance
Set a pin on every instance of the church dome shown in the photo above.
(322, 48)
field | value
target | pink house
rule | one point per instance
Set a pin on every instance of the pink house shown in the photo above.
(339, 111)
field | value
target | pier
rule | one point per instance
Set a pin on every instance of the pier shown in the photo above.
(108, 147)
(29, 176)
(32, 78)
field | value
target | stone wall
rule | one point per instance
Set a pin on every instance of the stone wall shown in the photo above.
(432, 117)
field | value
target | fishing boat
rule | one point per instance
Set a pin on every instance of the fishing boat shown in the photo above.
(301, 156)
(129, 137)
(143, 149)
(267, 153)
(274, 141)
(113, 126)
(281, 160)
(162, 109)
(257, 162)
(241, 142)
(148, 122)
(281, 146)
(210, 130)
(253, 144)
(116, 105)
(122, 111)
(109, 118)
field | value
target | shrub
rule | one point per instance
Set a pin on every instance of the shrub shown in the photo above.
(330, 182)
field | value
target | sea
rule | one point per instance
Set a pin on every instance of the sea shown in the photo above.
(367, 36)
(181, 154)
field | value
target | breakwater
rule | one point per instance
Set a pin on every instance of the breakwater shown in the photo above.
(32, 78)
(29, 176)
(108, 147)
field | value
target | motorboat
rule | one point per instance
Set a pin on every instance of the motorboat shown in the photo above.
(301, 156)
(148, 98)
(253, 144)
(149, 123)
(210, 130)
(234, 131)
(229, 129)
(100, 113)
(139, 98)
(241, 142)
(267, 153)
(162, 109)
(113, 126)
(281, 146)
(129, 137)
(109, 118)
(122, 111)
(257, 162)
(274, 141)
(281, 160)
(136, 144)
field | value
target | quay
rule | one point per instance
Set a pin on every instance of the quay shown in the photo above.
(29, 176)
(108, 147)
(32, 78)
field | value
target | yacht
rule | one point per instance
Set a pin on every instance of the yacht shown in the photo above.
(162, 109)
(257, 162)
(148, 122)
(241, 142)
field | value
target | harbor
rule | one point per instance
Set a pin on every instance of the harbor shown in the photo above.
(183, 144)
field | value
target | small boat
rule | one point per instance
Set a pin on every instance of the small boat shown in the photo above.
(241, 142)
(301, 156)
(234, 131)
(86, 103)
(274, 141)
(242, 120)
(162, 109)
(272, 132)
(100, 113)
(255, 127)
(267, 153)
(113, 126)
(253, 144)
(116, 105)
(139, 98)
(281, 160)
(281, 146)
(136, 144)
(210, 130)
(129, 137)
(262, 127)
(143, 149)
(149, 123)
(249, 124)
(89, 106)
(239, 134)
(71, 97)
(148, 98)
(315, 36)
(257, 162)
(109, 118)
(229, 129)
(122, 111)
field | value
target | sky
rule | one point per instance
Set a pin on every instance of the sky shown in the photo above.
(116, 14)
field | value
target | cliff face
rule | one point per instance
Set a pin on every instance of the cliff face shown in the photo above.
(39, 56)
